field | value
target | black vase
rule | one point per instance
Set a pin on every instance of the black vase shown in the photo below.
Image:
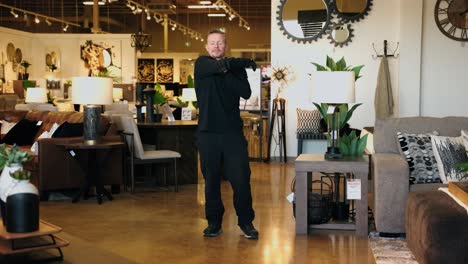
(25, 76)
(22, 213)
(158, 118)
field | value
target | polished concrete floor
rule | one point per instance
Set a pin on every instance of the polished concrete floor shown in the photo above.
(166, 227)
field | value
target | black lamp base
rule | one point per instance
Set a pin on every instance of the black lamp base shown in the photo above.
(333, 153)
(91, 117)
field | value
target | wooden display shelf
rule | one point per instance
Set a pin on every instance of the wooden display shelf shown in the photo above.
(42, 239)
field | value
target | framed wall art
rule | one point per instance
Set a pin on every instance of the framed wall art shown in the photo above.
(165, 70)
(145, 70)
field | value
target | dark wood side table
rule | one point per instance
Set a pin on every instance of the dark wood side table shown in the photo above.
(307, 163)
(92, 165)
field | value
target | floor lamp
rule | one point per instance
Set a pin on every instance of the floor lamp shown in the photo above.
(93, 92)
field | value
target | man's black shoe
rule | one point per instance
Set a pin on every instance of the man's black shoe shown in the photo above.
(212, 231)
(249, 231)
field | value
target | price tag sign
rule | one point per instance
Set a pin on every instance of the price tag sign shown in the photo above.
(186, 114)
(353, 187)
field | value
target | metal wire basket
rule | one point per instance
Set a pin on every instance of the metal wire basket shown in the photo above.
(319, 202)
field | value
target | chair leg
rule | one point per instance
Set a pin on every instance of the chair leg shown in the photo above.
(176, 186)
(132, 177)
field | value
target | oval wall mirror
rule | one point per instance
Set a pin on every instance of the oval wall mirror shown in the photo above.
(351, 10)
(340, 35)
(303, 20)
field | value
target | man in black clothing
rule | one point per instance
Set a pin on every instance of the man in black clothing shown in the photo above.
(219, 84)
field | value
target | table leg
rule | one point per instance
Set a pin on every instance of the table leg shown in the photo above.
(300, 196)
(95, 174)
(361, 207)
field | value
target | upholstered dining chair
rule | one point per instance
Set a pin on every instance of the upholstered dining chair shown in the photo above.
(140, 155)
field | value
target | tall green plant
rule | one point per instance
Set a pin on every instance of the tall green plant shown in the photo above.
(159, 99)
(344, 112)
(352, 145)
(340, 65)
(190, 83)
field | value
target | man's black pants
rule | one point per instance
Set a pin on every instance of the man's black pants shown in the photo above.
(226, 151)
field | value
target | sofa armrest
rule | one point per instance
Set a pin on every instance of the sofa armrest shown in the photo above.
(391, 187)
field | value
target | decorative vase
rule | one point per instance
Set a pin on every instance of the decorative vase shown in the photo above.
(5, 182)
(22, 207)
(158, 117)
(25, 76)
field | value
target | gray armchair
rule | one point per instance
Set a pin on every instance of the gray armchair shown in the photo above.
(390, 170)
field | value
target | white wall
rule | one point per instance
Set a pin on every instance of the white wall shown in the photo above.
(444, 78)
(35, 47)
(381, 23)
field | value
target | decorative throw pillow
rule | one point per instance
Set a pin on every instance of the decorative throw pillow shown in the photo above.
(449, 151)
(6, 126)
(22, 134)
(464, 134)
(69, 130)
(308, 121)
(417, 149)
(45, 134)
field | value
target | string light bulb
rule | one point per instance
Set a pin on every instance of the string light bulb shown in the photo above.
(13, 13)
(65, 28)
(37, 20)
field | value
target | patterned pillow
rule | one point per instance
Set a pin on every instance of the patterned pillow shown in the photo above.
(417, 149)
(464, 134)
(448, 152)
(308, 121)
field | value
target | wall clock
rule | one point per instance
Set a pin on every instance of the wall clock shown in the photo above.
(451, 17)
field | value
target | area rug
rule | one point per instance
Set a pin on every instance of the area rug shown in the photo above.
(391, 251)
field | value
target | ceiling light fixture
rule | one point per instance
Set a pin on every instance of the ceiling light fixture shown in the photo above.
(141, 40)
(65, 28)
(90, 3)
(217, 15)
(205, 2)
(232, 13)
(160, 18)
(48, 22)
(38, 17)
(12, 12)
(204, 6)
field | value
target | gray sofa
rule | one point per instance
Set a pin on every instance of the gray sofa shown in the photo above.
(390, 172)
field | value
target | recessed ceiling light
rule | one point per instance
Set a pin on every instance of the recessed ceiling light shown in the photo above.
(205, 2)
(92, 3)
(217, 15)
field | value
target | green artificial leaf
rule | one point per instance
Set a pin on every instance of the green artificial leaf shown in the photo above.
(331, 64)
(345, 139)
(357, 71)
(344, 149)
(350, 112)
(353, 146)
(343, 112)
(362, 145)
(190, 82)
(352, 135)
(320, 67)
(341, 65)
(322, 109)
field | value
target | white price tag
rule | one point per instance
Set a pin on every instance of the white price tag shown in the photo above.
(39, 123)
(331, 109)
(72, 153)
(353, 187)
(143, 109)
(290, 197)
(186, 114)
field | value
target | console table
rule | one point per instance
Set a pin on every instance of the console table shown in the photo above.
(178, 136)
(308, 163)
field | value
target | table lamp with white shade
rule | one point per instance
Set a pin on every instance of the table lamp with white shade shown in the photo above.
(189, 95)
(333, 88)
(36, 95)
(93, 92)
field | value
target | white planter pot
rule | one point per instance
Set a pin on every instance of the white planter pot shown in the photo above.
(6, 181)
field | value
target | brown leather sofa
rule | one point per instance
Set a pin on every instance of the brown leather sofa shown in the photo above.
(54, 168)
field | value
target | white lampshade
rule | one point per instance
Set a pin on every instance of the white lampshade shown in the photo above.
(189, 95)
(117, 94)
(92, 90)
(36, 95)
(333, 87)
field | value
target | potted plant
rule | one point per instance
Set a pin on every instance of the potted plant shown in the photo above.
(19, 199)
(25, 64)
(159, 100)
(338, 119)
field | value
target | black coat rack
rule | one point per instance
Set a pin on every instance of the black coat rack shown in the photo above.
(386, 53)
